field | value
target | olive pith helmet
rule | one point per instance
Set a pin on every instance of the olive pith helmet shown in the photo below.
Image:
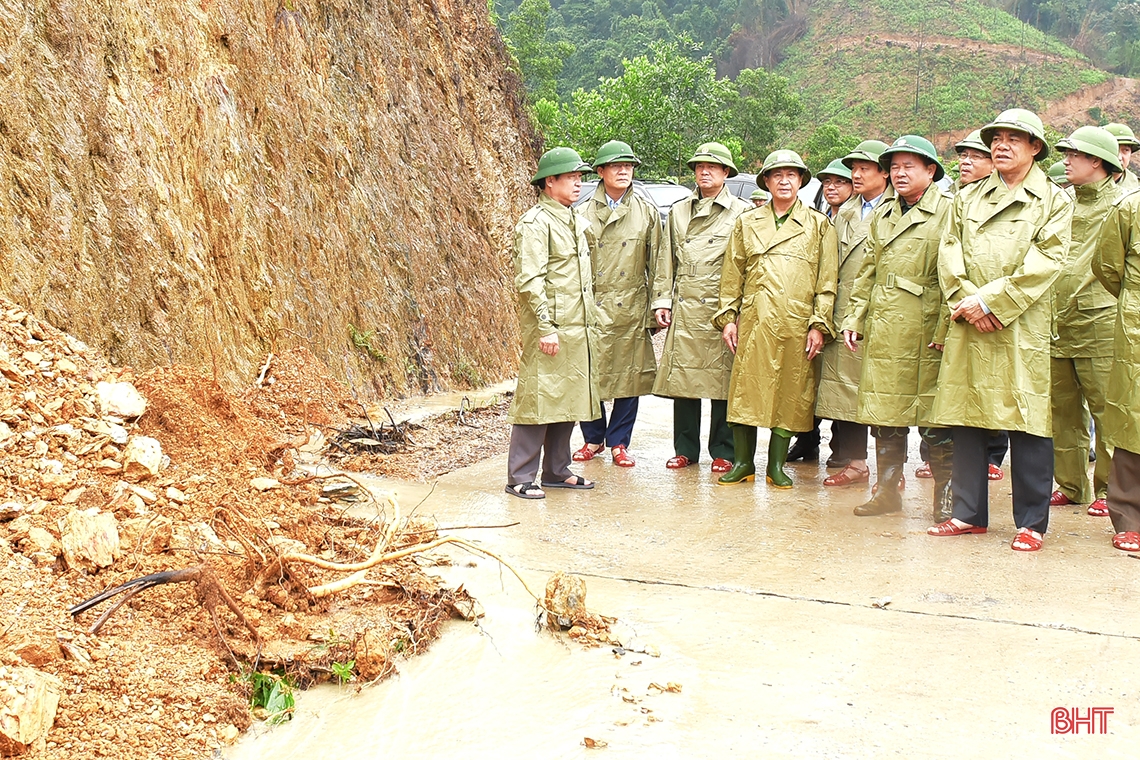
(835, 169)
(868, 150)
(616, 152)
(1020, 120)
(1095, 141)
(919, 146)
(1057, 174)
(760, 195)
(779, 159)
(558, 161)
(972, 140)
(1123, 134)
(714, 153)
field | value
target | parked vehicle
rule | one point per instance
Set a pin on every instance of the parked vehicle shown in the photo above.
(661, 194)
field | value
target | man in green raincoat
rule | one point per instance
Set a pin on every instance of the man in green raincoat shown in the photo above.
(835, 184)
(777, 296)
(1116, 263)
(1084, 314)
(839, 384)
(557, 386)
(897, 310)
(1126, 141)
(1004, 245)
(626, 238)
(686, 281)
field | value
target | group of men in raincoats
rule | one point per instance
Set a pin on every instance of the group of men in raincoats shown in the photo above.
(1004, 304)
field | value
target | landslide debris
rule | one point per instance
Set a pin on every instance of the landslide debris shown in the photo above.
(99, 487)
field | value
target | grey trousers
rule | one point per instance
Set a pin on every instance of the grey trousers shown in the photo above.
(1031, 467)
(1124, 491)
(528, 442)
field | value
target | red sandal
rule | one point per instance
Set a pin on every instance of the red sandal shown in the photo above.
(1059, 499)
(1128, 541)
(948, 528)
(721, 465)
(622, 457)
(995, 472)
(1025, 536)
(586, 453)
(678, 463)
(1098, 508)
(923, 471)
(847, 476)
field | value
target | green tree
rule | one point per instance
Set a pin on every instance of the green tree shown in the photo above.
(825, 145)
(764, 110)
(539, 52)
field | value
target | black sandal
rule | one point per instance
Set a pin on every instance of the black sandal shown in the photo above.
(579, 483)
(525, 491)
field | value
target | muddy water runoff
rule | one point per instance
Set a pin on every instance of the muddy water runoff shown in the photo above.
(761, 606)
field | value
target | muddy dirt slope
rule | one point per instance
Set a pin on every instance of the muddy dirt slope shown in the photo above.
(206, 182)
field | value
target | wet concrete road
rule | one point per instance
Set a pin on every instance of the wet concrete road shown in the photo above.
(760, 602)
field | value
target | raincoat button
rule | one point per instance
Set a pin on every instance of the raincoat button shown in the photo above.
(623, 244)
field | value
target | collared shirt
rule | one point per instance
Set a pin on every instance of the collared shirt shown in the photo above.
(612, 203)
(869, 206)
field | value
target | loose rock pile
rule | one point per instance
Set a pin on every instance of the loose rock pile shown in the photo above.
(106, 476)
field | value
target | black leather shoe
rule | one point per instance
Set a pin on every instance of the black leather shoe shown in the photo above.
(804, 453)
(837, 463)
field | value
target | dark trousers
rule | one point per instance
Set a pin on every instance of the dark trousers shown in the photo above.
(848, 440)
(687, 429)
(1124, 491)
(996, 448)
(811, 437)
(1031, 469)
(528, 442)
(619, 429)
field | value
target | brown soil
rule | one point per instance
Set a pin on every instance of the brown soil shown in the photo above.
(163, 677)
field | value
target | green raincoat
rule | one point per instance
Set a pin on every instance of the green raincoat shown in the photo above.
(897, 306)
(622, 248)
(695, 362)
(1007, 246)
(1116, 264)
(555, 295)
(781, 283)
(1085, 311)
(1128, 182)
(839, 378)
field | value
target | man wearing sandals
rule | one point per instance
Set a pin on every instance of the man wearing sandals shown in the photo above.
(1116, 264)
(626, 237)
(696, 364)
(897, 311)
(1084, 315)
(777, 295)
(557, 317)
(1004, 245)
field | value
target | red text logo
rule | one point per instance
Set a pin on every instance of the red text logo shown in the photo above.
(1070, 720)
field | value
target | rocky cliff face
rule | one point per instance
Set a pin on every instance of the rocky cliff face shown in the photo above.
(205, 182)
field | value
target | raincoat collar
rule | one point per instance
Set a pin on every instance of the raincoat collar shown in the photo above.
(564, 214)
(722, 199)
(605, 213)
(1090, 191)
(994, 191)
(794, 225)
(926, 207)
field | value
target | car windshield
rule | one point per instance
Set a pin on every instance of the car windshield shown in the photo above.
(663, 196)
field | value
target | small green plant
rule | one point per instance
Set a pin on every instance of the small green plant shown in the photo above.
(271, 692)
(363, 341)
(343, 670)
(466, 371)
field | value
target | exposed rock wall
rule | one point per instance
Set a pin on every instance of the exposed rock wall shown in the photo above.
(204, 182)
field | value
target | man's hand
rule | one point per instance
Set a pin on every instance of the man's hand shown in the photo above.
(729, 335)
(814, 343)
(936, 346)
(988, 324)
(664, 317)
(549, 344)
(970, 309)
(851, 339)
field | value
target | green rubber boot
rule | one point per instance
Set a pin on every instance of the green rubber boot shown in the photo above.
(777, 458)
(744, 458)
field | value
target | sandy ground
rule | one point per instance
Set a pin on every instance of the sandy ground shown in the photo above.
(761, 604)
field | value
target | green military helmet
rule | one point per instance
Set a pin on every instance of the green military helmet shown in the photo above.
(919, 146)
(973, 140)
(779, 159)
(1123, 134)
(558, 161)
(836, 169)
(1021, 120)
(1057, 174)
(616, 152)
(1095, 141)
(760, 195)
(714, 153)
(868, 150)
